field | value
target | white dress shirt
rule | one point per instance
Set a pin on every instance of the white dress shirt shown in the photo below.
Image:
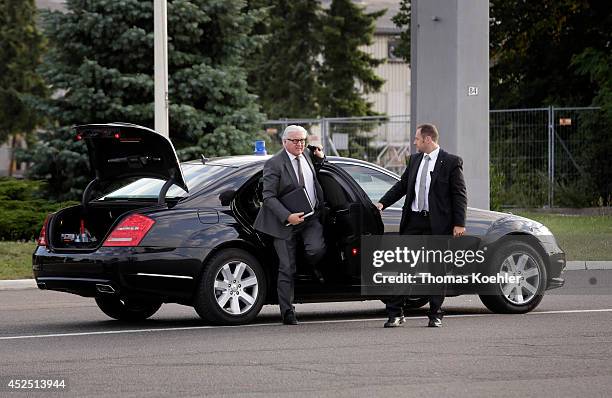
(433, 156)
(308, 176)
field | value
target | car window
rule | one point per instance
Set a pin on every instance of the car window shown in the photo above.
(373, 182)
(148, 188)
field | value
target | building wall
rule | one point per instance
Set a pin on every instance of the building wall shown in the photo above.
(5, 158)
(5, 155)
(393, 99)
(394, 96)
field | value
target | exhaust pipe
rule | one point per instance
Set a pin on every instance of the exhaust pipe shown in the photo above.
(41, 285)
(105, 289)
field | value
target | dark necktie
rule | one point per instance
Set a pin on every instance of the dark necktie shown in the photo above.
(300, 174)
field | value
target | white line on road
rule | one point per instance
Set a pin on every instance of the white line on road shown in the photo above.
(39, 336)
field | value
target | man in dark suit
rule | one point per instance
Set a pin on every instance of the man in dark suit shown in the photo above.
(292, 167)
(436, 203)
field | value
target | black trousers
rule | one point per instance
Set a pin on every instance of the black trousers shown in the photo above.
(311, 232)
(417, 225)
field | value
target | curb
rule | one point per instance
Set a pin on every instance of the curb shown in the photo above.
(18, 284)
(588, 265)
(24, 284)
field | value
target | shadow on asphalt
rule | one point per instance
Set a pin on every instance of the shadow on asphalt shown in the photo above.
(174, 316)
(273, 318)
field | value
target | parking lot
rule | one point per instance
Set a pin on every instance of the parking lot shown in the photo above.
(339, 349)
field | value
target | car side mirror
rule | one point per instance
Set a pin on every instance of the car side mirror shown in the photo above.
(226, 197)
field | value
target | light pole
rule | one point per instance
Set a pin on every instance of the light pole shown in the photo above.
(160, 38)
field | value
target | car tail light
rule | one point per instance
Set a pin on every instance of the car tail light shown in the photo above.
(42, 237)
(130, 231)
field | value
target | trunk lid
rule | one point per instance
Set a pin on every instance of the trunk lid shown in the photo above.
(122, 150)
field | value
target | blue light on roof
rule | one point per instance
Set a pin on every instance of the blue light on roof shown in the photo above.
(260, 147)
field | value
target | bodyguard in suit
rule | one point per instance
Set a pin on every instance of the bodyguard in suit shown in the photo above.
(292, 167)
(436, 203)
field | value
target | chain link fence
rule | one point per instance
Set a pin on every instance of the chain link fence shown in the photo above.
(539, 157)
(549, 157)
(518, 145)
(384, 140)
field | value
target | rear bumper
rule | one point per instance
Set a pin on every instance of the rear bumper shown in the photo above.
(164, 274)
(82, 286)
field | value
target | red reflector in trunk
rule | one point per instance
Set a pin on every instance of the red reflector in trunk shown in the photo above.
(130, 231)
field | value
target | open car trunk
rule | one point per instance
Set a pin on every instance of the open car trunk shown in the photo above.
(117, 151)
(77, 228)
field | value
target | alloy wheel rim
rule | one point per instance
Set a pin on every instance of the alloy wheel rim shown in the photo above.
(524, 266)
(236, 288)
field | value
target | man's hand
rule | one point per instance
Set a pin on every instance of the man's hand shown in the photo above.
(295, 218)
(458, 231)
(317, 150)
(379, 206)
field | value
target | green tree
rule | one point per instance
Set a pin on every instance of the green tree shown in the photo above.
(284, 72)
(100, 66)
(558, 52)
(596, 64)
(21, 48)
(402, 21)
(532, 44)
(347, 71)
(211, 43)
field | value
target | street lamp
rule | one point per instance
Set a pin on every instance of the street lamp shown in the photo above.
(160, 39)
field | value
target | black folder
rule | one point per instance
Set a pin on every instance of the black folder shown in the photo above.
(297, 201)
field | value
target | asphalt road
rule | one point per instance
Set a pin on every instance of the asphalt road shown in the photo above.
(564, 348)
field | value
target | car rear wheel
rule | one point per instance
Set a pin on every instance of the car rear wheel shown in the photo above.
(232, 289)
(127, 309)
(520, 259)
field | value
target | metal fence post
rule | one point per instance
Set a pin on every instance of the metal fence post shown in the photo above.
(324, 133)
(552, 161)
(551, 156)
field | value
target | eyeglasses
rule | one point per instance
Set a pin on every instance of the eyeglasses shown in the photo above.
(297, 140)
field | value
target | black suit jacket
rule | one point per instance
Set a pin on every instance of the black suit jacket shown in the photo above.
(278, 179)
(447, 193)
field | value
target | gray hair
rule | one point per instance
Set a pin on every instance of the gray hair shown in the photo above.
(294, 127)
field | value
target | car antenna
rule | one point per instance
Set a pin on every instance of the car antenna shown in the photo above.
(204, 159)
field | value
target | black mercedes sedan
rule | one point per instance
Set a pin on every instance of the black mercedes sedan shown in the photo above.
(150, 231)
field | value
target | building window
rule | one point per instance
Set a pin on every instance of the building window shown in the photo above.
(392, 45)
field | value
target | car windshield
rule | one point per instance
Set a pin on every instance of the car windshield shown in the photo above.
(195, 175)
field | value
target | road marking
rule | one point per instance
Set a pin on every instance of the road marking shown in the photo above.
(39, 336)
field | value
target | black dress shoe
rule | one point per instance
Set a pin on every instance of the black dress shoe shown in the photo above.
(319, 275)
(394, 322)
(435, 322)
(289, 318)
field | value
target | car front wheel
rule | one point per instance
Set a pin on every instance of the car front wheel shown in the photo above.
(232, 288)
(127, 309)
(519, 259)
